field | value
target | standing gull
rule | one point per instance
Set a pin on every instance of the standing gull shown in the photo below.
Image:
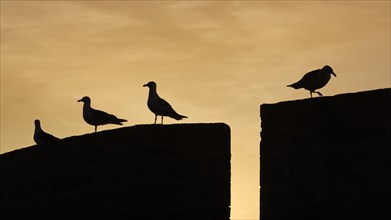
(314, 80)
(97, 117)
(41, 137)
(160, 106)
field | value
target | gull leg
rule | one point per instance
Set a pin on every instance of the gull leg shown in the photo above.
(96, 127)
(162, 119)
(155, 119)
(311, 94)
(320, 94)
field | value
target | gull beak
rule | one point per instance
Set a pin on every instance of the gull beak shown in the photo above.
(334, 74)
(145, 85)
(79, 100)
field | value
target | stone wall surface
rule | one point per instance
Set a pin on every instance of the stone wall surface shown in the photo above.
(327, 158)
(179, 171)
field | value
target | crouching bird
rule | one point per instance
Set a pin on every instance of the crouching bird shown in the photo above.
(40, 136)
(314, 80)
(96, 117)
(159, 106)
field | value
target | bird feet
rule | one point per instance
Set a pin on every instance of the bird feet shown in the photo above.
(320, 94)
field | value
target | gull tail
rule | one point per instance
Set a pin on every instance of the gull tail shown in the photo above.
(295, 85)
(119, 121)
(179, 117)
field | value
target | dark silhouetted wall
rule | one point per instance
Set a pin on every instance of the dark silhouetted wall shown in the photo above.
(327, 158)
(143, 172)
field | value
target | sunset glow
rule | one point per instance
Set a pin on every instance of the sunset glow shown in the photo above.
(213, 61)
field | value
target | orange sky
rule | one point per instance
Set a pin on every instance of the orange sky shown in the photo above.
(214, 61)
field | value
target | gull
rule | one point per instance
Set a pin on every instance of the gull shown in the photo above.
(41, 137)
(96, 117)
(160, 106)
(314, 80)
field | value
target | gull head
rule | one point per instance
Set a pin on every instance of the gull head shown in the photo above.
(150, 85)
(328, 69)
(85, 100)
(37, 123)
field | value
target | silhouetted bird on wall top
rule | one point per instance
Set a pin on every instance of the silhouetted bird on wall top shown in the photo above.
(314, 80)
(41, 137)
(97, 117)
(159, 106)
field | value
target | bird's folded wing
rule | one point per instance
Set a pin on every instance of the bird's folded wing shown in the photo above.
(311, 76)
(102, 117)
(165, 107)
(46, 137)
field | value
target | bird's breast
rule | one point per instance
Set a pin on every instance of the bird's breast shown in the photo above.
(87, 116)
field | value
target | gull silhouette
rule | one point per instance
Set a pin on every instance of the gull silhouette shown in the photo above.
(314, 80)
(96, 117)
(160, 106)
(40, 136)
